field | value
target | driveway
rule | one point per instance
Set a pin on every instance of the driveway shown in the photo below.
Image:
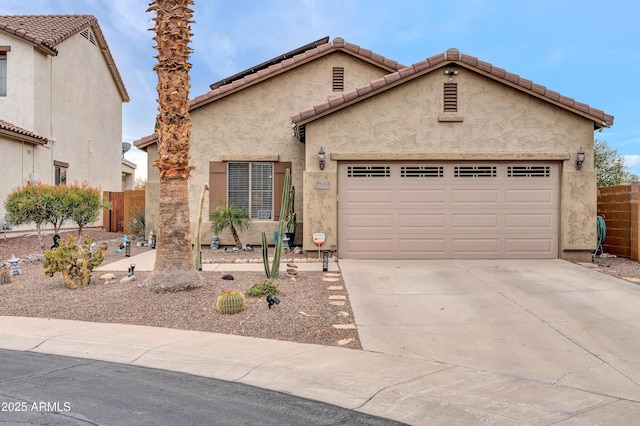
(548, 321)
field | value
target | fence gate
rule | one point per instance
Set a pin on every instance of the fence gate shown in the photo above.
(113, 220)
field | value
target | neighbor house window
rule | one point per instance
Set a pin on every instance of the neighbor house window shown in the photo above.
(3, 73)
(61, 172)
(250, 185)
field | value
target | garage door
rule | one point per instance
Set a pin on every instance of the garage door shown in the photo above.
(448, 210)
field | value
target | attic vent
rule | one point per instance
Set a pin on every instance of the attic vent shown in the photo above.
(528, 171)
(368, 171)
(89, 36)
(450, 97)
(338, 79)
(421, 171)
(474, 171)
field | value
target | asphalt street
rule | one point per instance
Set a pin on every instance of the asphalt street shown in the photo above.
(47, 389)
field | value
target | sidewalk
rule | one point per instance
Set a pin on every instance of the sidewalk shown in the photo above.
(146, 260)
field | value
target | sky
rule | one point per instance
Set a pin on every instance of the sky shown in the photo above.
(584, 49)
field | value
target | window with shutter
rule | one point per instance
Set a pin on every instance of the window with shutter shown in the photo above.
(250, 185)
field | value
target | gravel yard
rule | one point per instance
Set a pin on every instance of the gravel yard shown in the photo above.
(306, 313)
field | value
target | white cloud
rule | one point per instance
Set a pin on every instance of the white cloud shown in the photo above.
(631, 160)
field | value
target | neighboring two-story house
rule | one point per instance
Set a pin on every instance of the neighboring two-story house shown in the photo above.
(451, 157)
(61, 101)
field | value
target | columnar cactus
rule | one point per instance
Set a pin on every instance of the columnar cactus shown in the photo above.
(230, 302)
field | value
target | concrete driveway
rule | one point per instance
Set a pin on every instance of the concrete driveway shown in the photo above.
(548, 321)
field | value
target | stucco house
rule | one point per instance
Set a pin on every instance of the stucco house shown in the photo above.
(61, 99)
(451, 157)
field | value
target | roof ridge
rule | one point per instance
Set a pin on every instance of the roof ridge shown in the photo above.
(32, 29)
(338, 43)
(453, 55)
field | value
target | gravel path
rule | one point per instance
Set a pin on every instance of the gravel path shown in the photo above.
(306, 313)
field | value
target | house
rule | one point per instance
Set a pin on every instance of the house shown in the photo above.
(61, 101)
(451, 157)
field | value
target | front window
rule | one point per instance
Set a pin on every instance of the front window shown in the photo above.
(250, 185)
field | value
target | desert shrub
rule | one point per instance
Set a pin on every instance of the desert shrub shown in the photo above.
(73, 261)
(264, 288)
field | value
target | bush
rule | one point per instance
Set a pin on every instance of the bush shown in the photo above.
(264, 288)
(74, 262)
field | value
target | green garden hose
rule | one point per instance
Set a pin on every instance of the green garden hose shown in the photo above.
(601, 226)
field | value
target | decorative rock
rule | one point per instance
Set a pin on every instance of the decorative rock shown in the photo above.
(107, 277)
(292, 265)
(345, 326)
(292, 271)
(297, 250)
(227, 277)
(128, 278)
(242, 261)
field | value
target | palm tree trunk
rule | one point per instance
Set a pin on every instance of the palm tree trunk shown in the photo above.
(236, 237)
(173, 269)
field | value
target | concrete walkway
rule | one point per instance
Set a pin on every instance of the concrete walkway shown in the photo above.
(446, 342)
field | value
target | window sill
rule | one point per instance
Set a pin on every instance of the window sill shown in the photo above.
(446, 118)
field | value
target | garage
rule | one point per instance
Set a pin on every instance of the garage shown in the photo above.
(430, 210)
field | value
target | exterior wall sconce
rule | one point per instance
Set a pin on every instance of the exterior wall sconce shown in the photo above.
(579, 159)
(321, 158)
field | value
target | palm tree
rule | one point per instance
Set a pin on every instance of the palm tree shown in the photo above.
(231, 217)
(173, 269)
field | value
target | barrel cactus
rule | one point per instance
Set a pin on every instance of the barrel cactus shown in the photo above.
(230, 302)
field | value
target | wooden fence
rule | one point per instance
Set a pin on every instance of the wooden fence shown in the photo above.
(619, 207)
(125, 207)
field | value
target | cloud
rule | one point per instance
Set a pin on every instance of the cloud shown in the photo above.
(631, 160)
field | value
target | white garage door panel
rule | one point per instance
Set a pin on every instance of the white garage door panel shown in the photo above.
(448, 209)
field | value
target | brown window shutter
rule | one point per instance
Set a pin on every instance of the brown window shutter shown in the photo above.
(338, 79)
(278, 182)
(450, 97)
(217, 184)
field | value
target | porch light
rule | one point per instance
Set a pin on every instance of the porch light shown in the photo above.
(579, 159)
(321, 158)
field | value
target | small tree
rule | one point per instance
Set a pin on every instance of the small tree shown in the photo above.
(610, 166)
(85, 203)
(231, 217)
(29, 204)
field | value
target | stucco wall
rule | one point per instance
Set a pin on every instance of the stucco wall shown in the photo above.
(256, 122)
(498, 122)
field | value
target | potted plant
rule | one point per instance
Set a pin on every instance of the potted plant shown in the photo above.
(291, 217)
(232, 217)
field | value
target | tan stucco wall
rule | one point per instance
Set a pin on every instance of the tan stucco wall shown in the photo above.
(256, 122)
(498, 122)
(72, 99)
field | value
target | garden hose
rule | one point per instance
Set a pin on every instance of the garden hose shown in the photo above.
(601, 227)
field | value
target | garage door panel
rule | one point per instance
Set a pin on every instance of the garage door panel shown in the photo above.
(529, 196)
(530, 221)
(474, 196)
(416, 210)
(485, 221)
(412, 197)
(475, 245)
(419, 222)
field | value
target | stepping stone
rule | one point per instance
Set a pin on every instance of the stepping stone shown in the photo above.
(331, 274)
(343, 314)
(337, 303)
(331, 280)
(343, 342)
(633, 280)
(345, 326)
(335, 287)
(337, 297)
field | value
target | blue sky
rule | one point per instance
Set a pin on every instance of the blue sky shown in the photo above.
(585, 49)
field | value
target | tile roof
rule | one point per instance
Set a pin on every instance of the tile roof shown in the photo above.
(48, 31)
(294, 61)
(15, 131)
(278, 65)
(451, 56)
